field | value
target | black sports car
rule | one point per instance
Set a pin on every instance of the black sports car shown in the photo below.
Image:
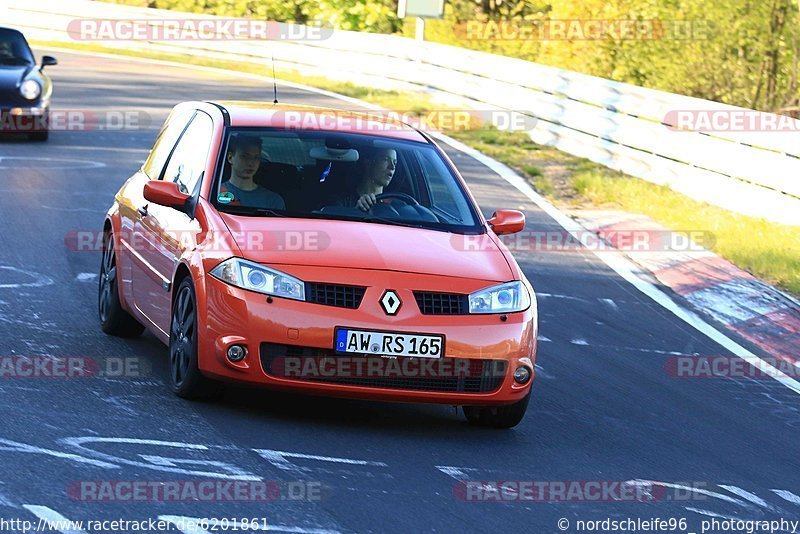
(25, 90)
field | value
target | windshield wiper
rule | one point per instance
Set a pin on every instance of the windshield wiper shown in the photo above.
(387, 220)
(247, 210)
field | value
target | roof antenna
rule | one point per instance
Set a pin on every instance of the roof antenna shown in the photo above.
(274, 81)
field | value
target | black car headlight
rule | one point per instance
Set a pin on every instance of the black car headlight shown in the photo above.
(256, 277)
(30, 89)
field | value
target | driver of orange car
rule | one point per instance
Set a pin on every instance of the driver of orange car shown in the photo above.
(378, 171)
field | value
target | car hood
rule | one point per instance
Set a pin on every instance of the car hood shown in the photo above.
(359, 245)
(11, 77)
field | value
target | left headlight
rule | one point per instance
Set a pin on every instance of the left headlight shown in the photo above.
(503, 298)
(255, 277)
(30, 89)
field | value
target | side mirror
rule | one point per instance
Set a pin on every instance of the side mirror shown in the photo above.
(47, 61)
(507, 222)
(166, 194)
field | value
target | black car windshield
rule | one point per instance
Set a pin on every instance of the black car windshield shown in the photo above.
(334, 175)
(14, 49)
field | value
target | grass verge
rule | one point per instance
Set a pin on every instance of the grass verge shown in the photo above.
(768, 250)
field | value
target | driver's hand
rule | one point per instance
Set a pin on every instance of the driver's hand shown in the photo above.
(366, 201)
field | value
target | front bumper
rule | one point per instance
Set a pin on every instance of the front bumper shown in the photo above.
(473, 343)
(28, 119)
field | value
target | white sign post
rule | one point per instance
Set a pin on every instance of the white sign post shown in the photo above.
(422, 9)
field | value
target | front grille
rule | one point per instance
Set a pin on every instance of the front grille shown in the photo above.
(337, 295)
(442, 303)
(445, 375)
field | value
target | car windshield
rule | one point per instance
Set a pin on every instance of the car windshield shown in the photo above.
(327, 175)
(14, 50)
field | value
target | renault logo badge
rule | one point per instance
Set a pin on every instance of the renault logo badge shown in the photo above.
(390, 302)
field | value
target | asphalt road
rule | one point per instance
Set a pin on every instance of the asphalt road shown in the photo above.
(603, 406)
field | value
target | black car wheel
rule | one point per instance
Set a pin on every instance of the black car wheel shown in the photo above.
(114, 320)
(185, 376)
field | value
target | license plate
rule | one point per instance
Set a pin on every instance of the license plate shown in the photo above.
(388, 343)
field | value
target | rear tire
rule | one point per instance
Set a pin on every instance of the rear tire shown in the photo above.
(507, 416)
(185, 377)
(114, 320)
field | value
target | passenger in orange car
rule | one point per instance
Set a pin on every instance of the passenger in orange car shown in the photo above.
(244, 158)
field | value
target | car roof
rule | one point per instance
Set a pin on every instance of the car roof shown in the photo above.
(268, 114)
(6, 29)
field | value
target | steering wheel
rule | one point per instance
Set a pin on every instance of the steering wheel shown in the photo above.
(408, 199)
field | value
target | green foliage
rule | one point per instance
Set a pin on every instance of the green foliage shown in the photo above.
(741, 52)
(358, 15)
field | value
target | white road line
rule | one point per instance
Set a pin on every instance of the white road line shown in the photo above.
(15, 446)
(543, 338)
(610, 303)
(86, 277)
(40, 279)
(228, 471)
(458, 473)
(71, 163)
(279, 459)
(714, 494)
(744, 494)
(787, 495)
(579, 341)
(52, 519)
(617, 262)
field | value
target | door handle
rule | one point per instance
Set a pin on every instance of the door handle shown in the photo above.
(143, 211)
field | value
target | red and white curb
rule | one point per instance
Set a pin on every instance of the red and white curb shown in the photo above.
(731, 296)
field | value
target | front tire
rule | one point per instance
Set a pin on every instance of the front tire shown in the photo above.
(507, 416)
(114, 320)
(185, 376)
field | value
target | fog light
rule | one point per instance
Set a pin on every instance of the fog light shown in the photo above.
(236, 353)
(522, 375)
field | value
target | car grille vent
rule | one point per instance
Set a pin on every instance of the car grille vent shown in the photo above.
(340, 296)
(442, 303)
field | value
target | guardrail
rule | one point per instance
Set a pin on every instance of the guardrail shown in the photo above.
(625, 127)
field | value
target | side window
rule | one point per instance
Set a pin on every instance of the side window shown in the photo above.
(187, 163)
(164, 142)
(445, 195)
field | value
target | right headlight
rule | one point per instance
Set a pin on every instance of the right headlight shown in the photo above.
(502, 298)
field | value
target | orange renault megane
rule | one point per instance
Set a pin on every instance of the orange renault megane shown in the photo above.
(318, 251)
